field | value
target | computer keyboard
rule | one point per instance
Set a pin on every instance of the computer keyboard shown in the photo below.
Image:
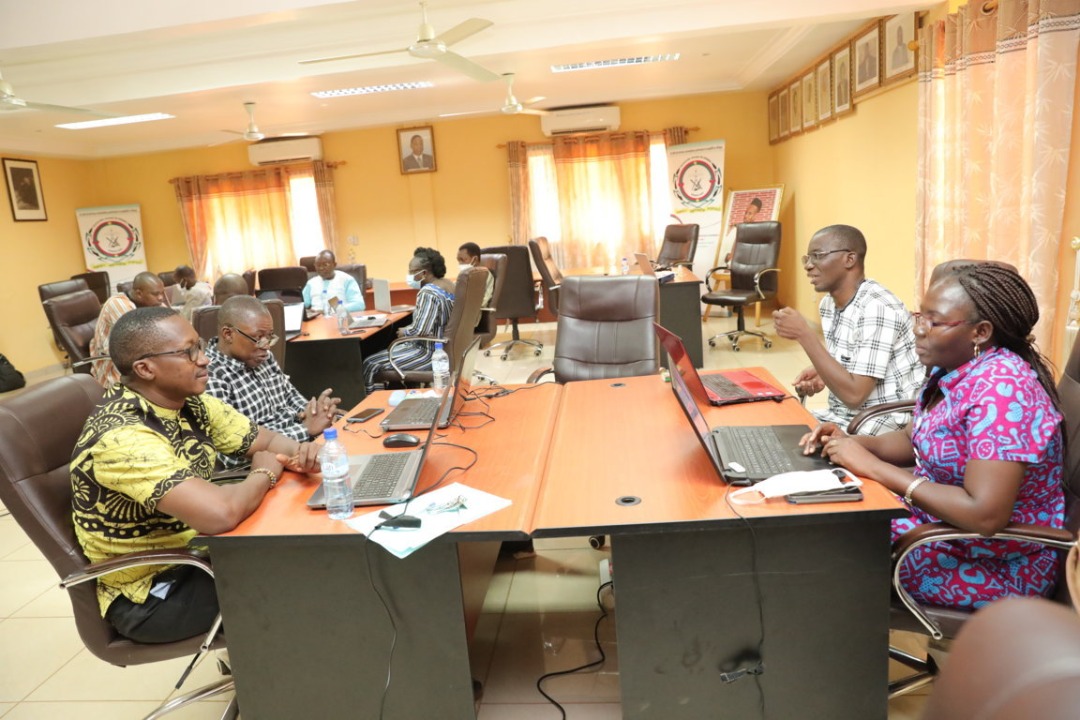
(758, 449)
(724, 387)
(380, 475)
(417, 411)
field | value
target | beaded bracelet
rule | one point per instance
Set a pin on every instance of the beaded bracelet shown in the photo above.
(270, 474)
(911, 489)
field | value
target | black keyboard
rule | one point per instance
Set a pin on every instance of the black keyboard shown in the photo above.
(380, 476)
(724, 387)
(416, 412)
(758, 449)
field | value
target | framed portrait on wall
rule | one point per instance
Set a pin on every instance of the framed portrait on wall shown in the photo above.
(785, 113)
(757, 205)
(868, 60)
(809, 101)
(824, 89)
(416, 149)
(774, 118)
(24, 190)
(795, 95)
(900, 49)
(842, 77)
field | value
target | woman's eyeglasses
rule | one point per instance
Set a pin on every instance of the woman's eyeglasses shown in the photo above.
(263, 343)
(193, 352)
(920, 320)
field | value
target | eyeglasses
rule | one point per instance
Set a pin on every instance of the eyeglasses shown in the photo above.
(192, 352)
(918, 319)
(263, 343)
(816, 257)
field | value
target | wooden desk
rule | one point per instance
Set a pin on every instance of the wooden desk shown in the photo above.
(684, 564)
(298, 590)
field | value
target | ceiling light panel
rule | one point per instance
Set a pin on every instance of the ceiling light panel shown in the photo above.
(618, 62)
(372, 89)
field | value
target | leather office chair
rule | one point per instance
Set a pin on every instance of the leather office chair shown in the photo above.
(1017, 658)
(605, 329)
(98, 281)
(358, 271)
(60, 287)
(308, 263)
(167, 278)
(38, 431)
(753, 271)
(488, 326)
(285, 283)
(550, 276)
(124, 287)
(249, 278)
(73, 318)
(457, 335)
(205, 321)
(516, 300)
(680, 244)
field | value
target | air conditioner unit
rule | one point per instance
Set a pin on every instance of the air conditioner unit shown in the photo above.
(274, 151)
(589, 118)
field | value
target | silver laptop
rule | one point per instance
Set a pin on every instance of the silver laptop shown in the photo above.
(384, 478)
(416, 413)
(294, 320)
(647, 268)
(360, 321)
(381, 290)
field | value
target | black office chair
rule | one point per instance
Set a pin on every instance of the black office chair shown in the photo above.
(205, 321)
(60, 287)
(73, 318)
(516, 301)
(550, 276)
(98, 281)
(358, 272)
(680, 244)
(753, 271)
(284, 283)
(488, 326)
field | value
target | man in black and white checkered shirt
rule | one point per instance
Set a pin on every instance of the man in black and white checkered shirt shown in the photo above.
(869, 353)
(244, 373)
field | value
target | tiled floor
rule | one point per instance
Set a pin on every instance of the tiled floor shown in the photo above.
(538, 617)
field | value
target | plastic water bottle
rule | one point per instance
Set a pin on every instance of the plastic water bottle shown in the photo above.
(343, 318)
(327, 310)
(625, 266)
(440, 368)
(335, 476)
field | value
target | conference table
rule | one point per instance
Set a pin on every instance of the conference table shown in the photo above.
(303, 596)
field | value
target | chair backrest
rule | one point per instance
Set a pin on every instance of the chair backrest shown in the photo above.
(167, 278)
(606, 328)
(61, 287)
(517, 300)
(249, 278)
(757, 246)
(283, 282)
(73, 318)
(124, 287)
(205, 321)
(358, 271)
(680, 244)
(98, 281)
(1068, 388)
(550, 275)
(308, 263)
(488, 325)
(468, 299)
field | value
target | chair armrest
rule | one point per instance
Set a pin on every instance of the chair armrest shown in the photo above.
(719, 268)
(1056, 538)
(138, 559)
(757, 280)
(537, 374)
(888, 408)
(417, 338)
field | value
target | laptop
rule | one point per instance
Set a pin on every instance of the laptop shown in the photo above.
(360, 322)
(661, 274)
(383, 478)
(381, 290)
(294, 320)
(728, 387)
(747, 454)
(416, 413)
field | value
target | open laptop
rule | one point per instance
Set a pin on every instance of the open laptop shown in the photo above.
(294, 320)
(416, 413)
(744, 455)
(646, 265)
(381, 290)
(361, 321)
(725, 388)
(384, 478)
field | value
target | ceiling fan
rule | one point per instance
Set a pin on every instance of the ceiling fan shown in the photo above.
(511, 105)
(252, 133)
(429, 46)
(8, 101)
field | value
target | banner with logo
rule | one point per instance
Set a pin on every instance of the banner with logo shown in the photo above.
(112, 240)
(697, 189)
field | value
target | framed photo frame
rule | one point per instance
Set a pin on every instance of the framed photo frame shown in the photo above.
(24, 190)
(842, 81)
(867, 65)
(785, 113)
(824, 89)
(795, 96)
(901, 53)
(774, 118)
(809, 100)
(416, 150)
(757, 205)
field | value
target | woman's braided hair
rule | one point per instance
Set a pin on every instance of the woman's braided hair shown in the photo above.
(1005, 300)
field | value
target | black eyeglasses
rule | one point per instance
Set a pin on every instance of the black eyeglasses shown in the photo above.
(192, 352)
(920, 320)
(815, 257)
(263, 343)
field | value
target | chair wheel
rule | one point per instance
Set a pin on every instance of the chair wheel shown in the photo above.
(537, 353)
(735, 348)
(503, 357)
(487, 353)
(712, 343)
(597, 541)
(768, 344)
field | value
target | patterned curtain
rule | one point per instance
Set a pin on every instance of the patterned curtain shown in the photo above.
(995, 116)
(324, 195)
(675, 135)
(519, 192)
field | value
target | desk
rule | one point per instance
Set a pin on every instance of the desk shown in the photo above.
(307, 634)
(684, 564)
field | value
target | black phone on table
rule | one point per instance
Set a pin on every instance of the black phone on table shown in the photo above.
(364, 415)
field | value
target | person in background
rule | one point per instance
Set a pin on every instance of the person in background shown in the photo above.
(434, 301)
(986, 442)
(140, 475)
(244, 374)
(194, 292)
(468, 255)
(230, 285)
(869, 353)
(333, 283)
(147, 290)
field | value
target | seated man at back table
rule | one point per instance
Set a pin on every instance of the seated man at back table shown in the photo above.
(331, 282)
(244, 373)
(147, 290)
(193, 292)
(228, 285)
(140, 475)
(869, 353)
(468, 255)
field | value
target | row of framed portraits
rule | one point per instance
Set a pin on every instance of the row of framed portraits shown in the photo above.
(882, 52)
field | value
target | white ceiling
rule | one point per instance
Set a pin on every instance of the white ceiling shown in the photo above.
(200, 60)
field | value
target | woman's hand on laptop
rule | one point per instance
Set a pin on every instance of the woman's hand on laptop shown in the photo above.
(815, 440)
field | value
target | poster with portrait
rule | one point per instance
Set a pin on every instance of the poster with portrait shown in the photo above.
(785, 113)
(809, 99)
(841, 63)
(758, 205)
(824, 90)
(898, 40)
(795, 95)
(868, 60)
(774, 119)
(416, 148)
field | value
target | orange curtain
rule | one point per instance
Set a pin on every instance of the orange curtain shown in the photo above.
(519, 192)
(324, 195)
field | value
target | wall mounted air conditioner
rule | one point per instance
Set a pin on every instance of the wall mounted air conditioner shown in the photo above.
(589, 118)
(273, 151)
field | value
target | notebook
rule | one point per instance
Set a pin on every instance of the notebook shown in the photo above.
(416, 413)
(381, 290)
(725, 388)
(383, 478)
(294, 320)
(744, 455)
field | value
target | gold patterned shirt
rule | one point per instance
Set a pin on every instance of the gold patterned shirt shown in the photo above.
(130, 454)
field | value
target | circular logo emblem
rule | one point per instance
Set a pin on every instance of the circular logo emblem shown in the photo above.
(697, 182)
(112, 239)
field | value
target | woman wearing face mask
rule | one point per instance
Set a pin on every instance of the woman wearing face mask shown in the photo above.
(434, 301)
(986, 442)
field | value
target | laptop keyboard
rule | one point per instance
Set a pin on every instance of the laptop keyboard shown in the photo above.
(724, 387)
(758, 449)
(418, 413)
(380, 476)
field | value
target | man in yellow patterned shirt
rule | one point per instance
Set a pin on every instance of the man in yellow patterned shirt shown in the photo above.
(141, 468)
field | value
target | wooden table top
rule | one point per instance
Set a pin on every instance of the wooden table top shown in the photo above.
(325, 328)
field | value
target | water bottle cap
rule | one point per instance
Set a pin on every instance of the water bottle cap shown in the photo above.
(438, 346)
(330, 434)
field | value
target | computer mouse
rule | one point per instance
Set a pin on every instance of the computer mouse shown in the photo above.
(400, 440)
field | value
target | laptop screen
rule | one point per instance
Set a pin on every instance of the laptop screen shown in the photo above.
(693, 414)
(294, 317)
(381, 290)
(644, 264)
(679, 362)
(464, 386)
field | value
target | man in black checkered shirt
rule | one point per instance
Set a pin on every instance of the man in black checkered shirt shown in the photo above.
(244, 373)
(869, 352)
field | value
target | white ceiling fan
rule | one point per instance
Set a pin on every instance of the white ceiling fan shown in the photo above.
(9, 101)
(429, 46)
(511, 105)
(252, 133)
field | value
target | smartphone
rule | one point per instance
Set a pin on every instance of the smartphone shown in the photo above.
(849, 494)
(364, 415)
